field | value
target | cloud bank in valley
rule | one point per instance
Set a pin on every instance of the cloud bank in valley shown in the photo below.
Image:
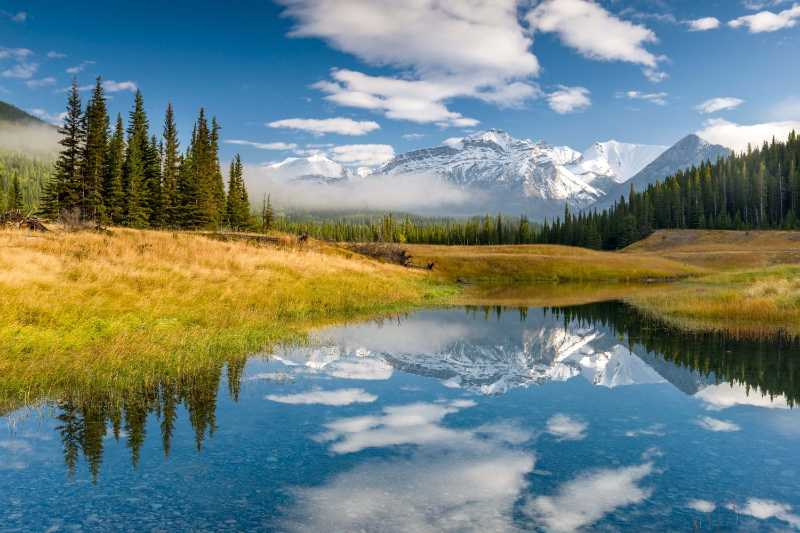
(411, 192)
(30, 138)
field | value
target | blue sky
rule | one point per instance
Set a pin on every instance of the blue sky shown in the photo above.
(409, 74)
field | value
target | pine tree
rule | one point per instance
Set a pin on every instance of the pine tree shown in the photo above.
(267, 214)
(237, 208)
(152, 181)
(113, 194)
(63, 192)
(94, 155)
(136, 210)
(171, 167)
(15, 196)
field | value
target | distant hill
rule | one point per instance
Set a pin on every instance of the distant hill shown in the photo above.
(11, 113)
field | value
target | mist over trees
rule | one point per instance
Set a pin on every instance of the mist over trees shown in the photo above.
(129, 176)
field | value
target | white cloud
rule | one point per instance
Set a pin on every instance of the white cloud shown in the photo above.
(587, 498)
(597, 34)
(656, 430)
(79, 67)
(454, 142)
(52, 54)
(263, 146)
(337, 398)
(755, 5)
(569, 99)
(566, 428)
(737, 136)
(19, 16)
(362, 155)
(654, 98)
(21, 71)
(725, 395)
(701, 506)
(715, 424)
(43, 82)
(719, 104)
(112, 86)
(47, 117)
(766, 509)
(767, 21)
(18, 54)
(703, 24)
(413, 136)
(428, 40)
(340, 125)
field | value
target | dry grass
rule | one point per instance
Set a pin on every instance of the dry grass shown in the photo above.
(108, 311)
(536, 263)
(721, 249)
(750, 302)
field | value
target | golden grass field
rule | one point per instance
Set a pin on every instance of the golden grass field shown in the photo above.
(107, 311)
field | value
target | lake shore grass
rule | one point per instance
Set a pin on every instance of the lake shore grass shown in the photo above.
(89, 310)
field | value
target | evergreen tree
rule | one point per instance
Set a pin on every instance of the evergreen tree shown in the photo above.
(113, 194)
(94, 156)
(268, 215)
(15, 197)
(152, 181)
(171, 167)
(237, 208)
(136, 192)
(63, 193)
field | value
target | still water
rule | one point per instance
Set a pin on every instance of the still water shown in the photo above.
(477, 419)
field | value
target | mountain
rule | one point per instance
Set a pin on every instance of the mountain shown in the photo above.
(689, 151)
(527, 176)
(10, 113)
(314, 168)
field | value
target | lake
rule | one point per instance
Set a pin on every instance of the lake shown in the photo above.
(463, 419)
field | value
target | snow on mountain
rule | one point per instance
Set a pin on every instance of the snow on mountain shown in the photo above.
(524, 175)
(313, 166)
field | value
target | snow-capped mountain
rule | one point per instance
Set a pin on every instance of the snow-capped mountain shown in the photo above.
(524, 175)
(313, 167)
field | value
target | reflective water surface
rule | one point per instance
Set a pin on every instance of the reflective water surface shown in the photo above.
(477, 419)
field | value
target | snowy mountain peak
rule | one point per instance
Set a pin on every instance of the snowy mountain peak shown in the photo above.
(313, 165)
(499, 137)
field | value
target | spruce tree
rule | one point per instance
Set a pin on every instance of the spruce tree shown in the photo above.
(94, 156)
(64, 190)
(237, 207)
(113, 194)
(135, 187)
(15, 196)
(152, 181)
(171, 167)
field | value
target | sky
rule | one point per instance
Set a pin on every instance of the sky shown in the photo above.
(361, 80)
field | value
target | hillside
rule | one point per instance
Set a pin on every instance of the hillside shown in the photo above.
(11, 113)
(722, 249)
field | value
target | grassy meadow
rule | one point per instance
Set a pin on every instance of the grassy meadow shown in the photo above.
(93, 311)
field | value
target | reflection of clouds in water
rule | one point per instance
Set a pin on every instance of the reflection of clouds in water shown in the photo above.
(565, 427)
(461, 480)
(715, 424)
(766, 509)
(701, 506)
(417, 423)
(337, 398)
(10, 450)
(726, 395)
(587, 498)
(656, 430)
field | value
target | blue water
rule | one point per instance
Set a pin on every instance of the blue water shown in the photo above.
(485, 419)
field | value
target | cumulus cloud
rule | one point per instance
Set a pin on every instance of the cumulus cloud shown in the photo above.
(738, 136)
(719, 104)
(52, 54)
(263, 146)
(766, 509)
(21, 71)
(340, 125)
(653, 98)
(587, 498)
(717, 425)
(767, 21)
(17, 54)
(566, 428)
(427, 40)
(597, 34)
(703, 24)
(336, 398)
(569, 99)
(56, 119)
(43, 82)
(362, 155)
(112, 86)
(701, 506)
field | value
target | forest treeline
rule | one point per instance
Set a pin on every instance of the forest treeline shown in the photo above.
(22, 179)
(128, 176)
(757, 189)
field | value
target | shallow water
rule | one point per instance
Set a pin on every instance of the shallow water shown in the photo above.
(484, 419)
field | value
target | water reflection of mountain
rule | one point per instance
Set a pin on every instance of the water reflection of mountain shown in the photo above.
(489, 350)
